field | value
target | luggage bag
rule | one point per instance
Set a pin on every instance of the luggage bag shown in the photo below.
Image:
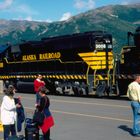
(31, 130)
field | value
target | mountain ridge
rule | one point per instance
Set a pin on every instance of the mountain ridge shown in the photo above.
(115, 19)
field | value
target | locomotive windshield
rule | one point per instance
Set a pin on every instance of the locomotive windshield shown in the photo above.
(103, 42)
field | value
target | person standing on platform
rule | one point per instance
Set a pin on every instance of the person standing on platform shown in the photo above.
(133, 94)
(38, 82)
(8, 112)
(44, 106)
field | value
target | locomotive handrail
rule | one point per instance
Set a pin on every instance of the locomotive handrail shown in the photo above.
(114, 71)
(14, 62)
(108, 77)
(94, 80)
(87, 74)
(70, 61)
(113, 74)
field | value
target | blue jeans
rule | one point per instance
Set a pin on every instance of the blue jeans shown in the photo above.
(136, 117)
(8, 129)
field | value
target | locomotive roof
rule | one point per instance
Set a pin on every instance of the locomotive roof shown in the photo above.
(47, 39)
(94, 33)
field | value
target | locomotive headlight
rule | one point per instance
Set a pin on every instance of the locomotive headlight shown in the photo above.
(107, 41)
(110, 46)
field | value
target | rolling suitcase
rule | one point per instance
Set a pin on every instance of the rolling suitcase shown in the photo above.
(31, 130)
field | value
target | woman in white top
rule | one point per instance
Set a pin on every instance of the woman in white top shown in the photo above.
(8, 112)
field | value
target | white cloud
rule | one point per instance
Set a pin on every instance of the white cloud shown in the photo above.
(126, 2)
(39, 20)
(84, 4)
(65, 16)
(20, 18)
(20, 9)
(48, 20)
(79, 4)
(29, 18)
(25, 9)
(91, 4)
(5, 4)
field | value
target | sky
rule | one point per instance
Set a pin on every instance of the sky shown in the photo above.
(51, 10)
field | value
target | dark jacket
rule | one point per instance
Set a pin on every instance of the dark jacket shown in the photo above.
(48, 121)
(20, 115)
